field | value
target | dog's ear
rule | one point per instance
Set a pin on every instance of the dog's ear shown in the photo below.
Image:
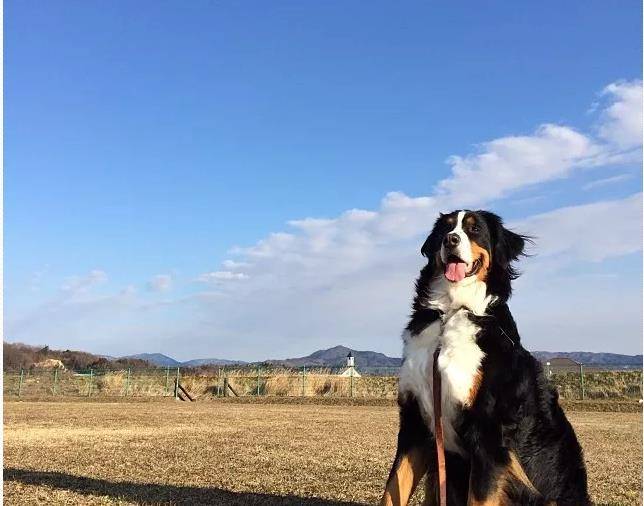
(514, 244)
(426, 248)
(433, 242)
(508, 246)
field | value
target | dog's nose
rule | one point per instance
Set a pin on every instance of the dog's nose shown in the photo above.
(451, 240)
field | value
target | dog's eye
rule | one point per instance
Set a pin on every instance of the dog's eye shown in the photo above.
(475, 229)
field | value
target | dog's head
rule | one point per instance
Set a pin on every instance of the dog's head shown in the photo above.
(470, 246)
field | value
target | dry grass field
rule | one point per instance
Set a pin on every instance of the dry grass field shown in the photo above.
(212, 452)
(317, 382)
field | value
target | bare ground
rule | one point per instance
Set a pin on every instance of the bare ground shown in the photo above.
(166, 452)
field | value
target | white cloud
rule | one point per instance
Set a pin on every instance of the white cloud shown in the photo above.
(210, 277)
(80, 284)
(160, 283)
(591, 232)
(351, 276)
(232, 265)
(504, 165)
(551, 153)
(607, 181)
(509, 163)
(622, 117)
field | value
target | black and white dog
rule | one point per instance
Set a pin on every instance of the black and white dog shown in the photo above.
(506, 438)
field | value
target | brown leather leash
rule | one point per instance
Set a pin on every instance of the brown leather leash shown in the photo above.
(438, 433)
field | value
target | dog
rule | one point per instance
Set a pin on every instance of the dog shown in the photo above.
(507, 440)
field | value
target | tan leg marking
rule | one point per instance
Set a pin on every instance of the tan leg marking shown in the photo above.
(409, 472)
(516, 470)
(512, 472)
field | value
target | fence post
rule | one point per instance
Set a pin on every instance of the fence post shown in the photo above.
(91, 377)
(176, 385)
(257, 381)
(55, 379)
(352, 382)
(22, 374)
(127, 382)
(303, 376)
(225, 386)
(581, 375)
(167, 380)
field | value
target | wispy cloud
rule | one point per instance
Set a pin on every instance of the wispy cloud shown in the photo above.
(607, 181)
(160, 283)
(232, 265)
(569, 230)
(80, 284)
(211, 277)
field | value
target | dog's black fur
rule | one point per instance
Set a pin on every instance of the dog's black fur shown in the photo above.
(515, 410)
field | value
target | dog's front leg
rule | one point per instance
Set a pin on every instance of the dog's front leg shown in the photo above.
(413, 455)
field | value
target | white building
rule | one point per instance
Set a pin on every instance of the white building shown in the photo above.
(350, 371)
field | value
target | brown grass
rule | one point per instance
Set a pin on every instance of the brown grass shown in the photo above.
(168, 452)
(600, 385)
(317, 382)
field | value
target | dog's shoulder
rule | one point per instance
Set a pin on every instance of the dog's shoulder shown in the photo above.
(512, 375)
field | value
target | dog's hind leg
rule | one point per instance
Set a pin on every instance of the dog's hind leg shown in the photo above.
(413, 455)
(499, 480)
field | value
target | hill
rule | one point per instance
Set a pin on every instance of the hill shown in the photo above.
(590, 358)
(158, 359)
(336, 357)
(18, 355)
(211, 361)
(161, 360)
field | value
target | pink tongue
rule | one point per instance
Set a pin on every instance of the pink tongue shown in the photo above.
(455, 271)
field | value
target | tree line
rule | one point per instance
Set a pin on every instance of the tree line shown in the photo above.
(19, 355)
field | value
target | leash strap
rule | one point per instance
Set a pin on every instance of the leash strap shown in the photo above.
(438, 433)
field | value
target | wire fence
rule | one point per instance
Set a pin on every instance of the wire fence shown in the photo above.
(303, 382)
(160, 382)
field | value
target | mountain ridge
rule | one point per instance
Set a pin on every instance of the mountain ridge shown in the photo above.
(336, 357)
(159, 359)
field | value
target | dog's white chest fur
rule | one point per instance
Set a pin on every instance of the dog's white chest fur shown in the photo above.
(459, 361)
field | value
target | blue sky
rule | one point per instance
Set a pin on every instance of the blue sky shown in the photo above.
(157, 153)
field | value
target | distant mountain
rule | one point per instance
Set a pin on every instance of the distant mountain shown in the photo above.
(211, 361)
(590, 358)
(158, 359)
(337, 356)
(161, 360)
